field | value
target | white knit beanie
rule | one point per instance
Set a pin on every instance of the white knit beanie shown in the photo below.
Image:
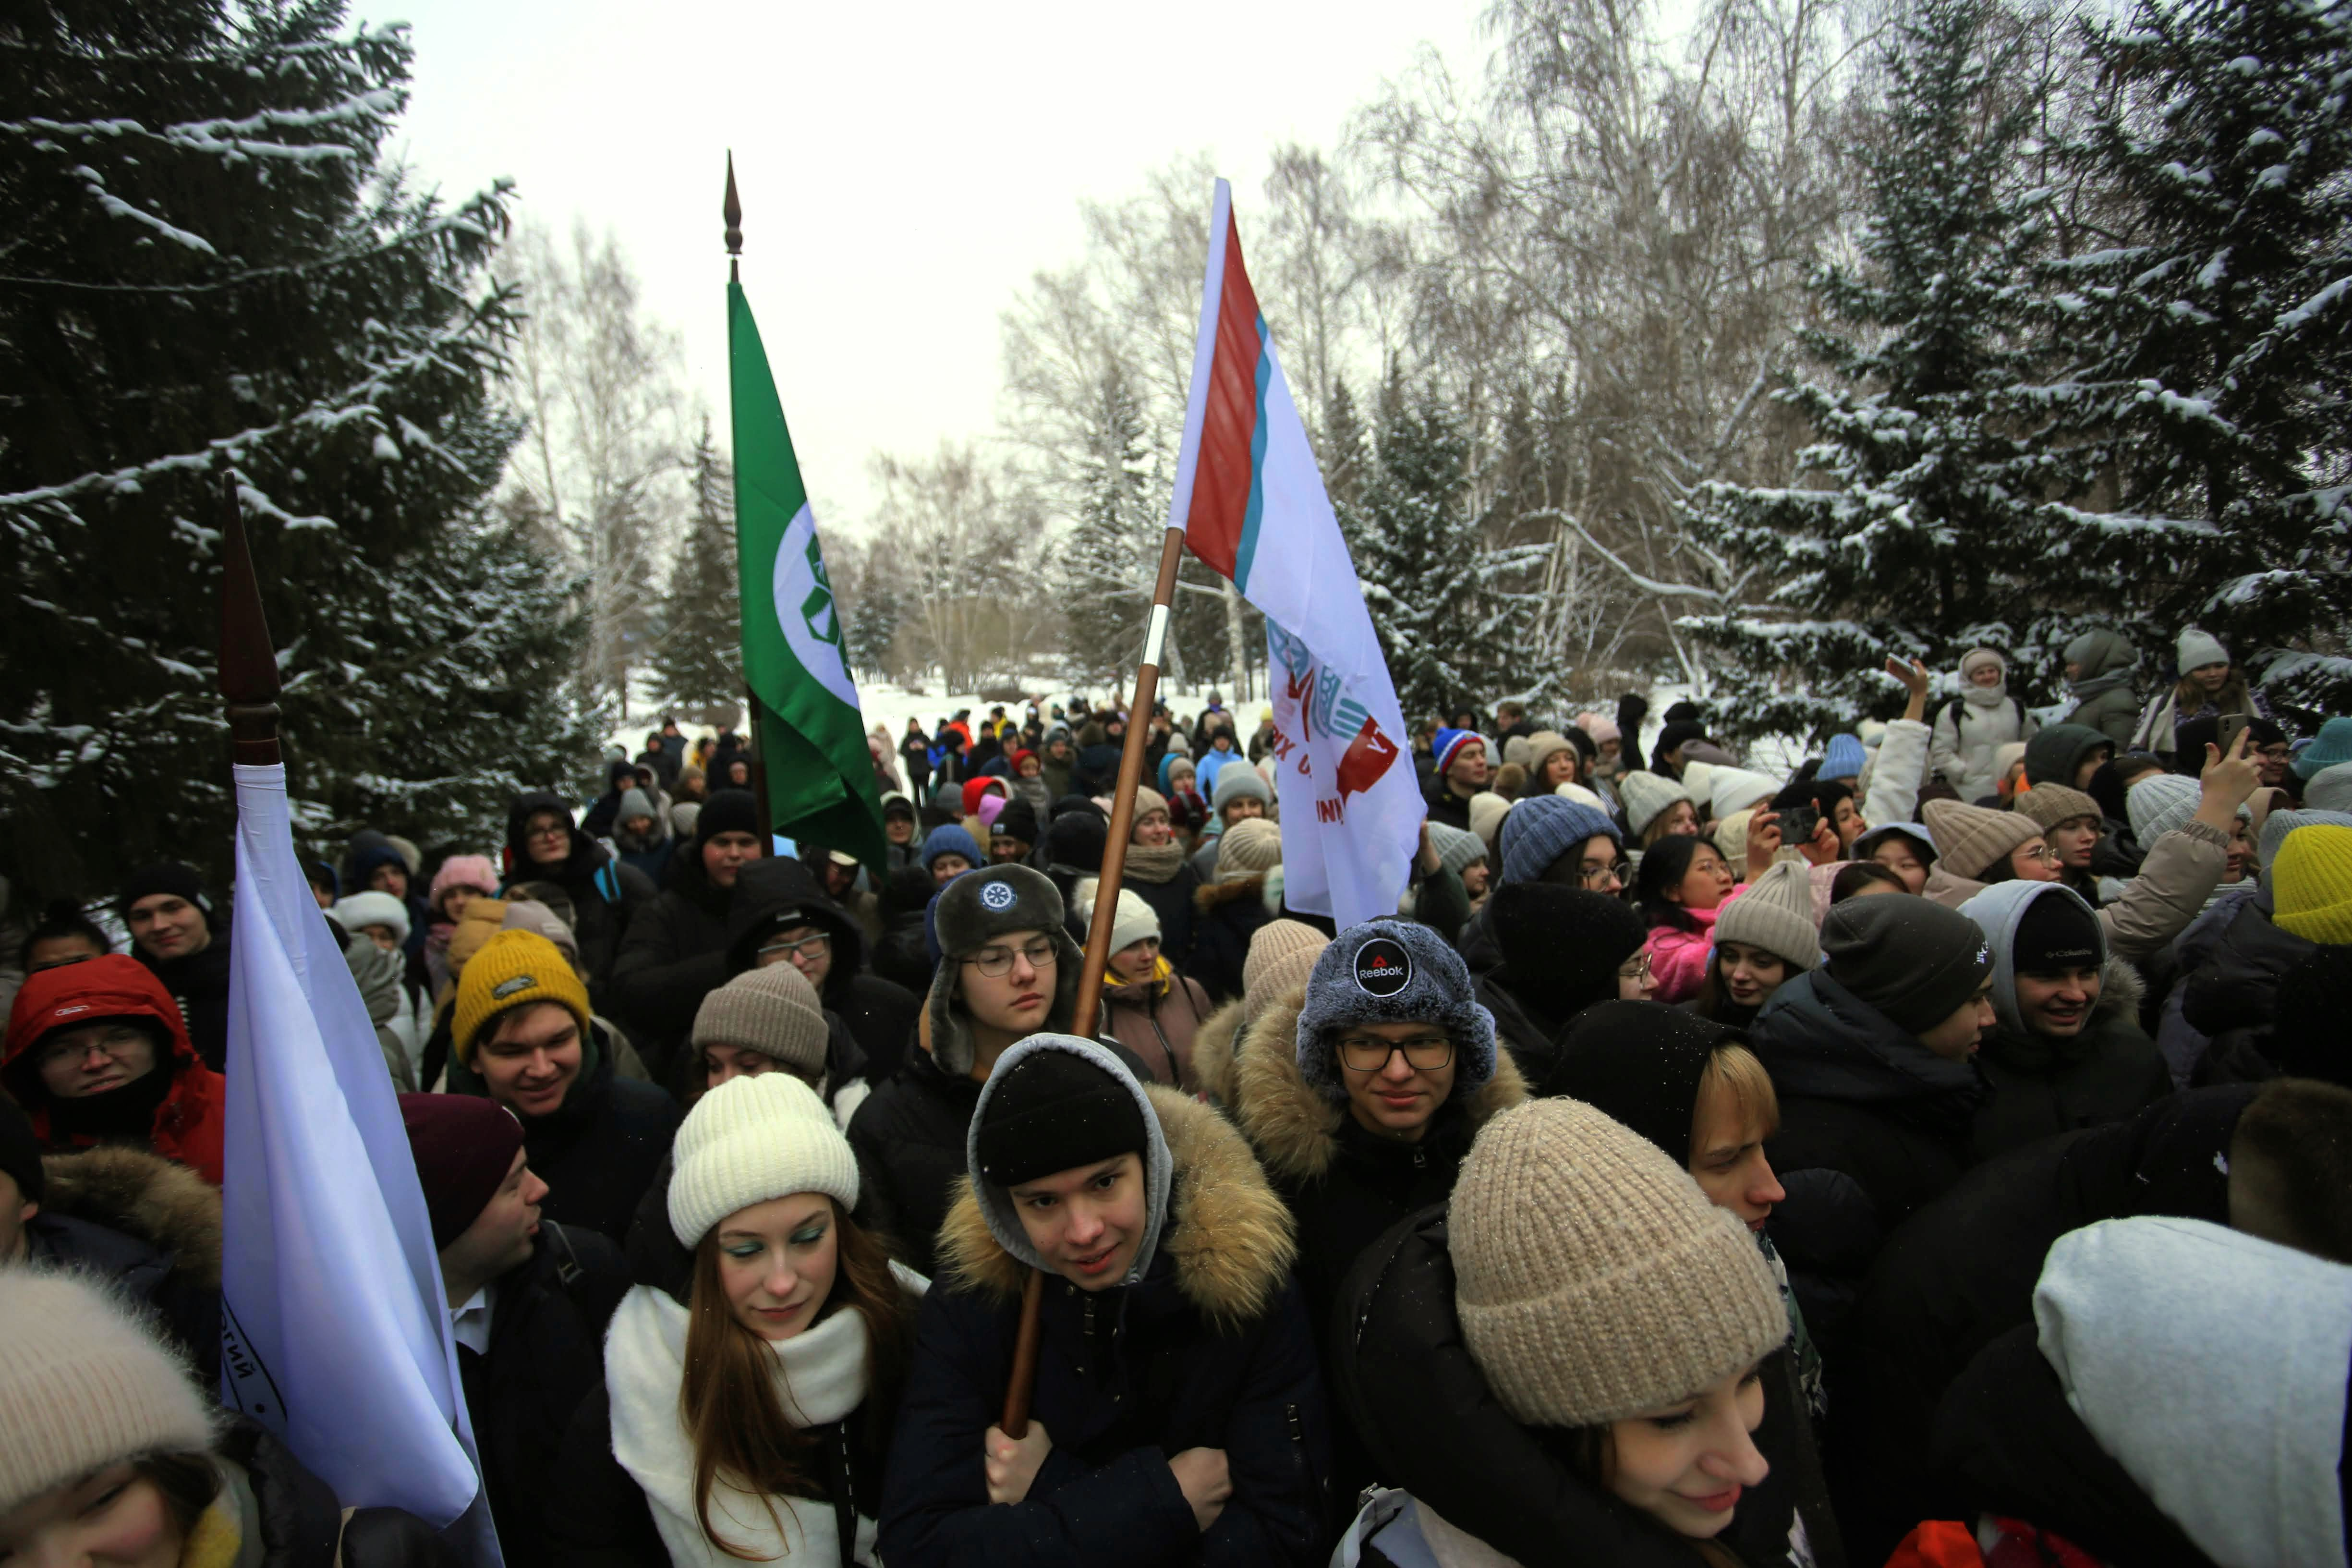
(372, 909)
(751, 1140)
(82, 1386)
(2198, 647)
(1132, 920)
(2160, 802)
(1738, 789)
(1622, 1290)
(1646, 794)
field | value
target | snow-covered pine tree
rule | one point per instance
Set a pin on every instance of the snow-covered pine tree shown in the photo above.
(1428, 581)
(1917, 534)
(698, 659)
(212, 276)
(2211, 341)
(1106, 566)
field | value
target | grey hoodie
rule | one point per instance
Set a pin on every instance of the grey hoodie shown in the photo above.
(1997, 911)
(1159, 1168)
(2211, 1366)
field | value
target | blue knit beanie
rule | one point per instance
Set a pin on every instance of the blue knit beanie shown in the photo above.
(1845, 758)
(1393, 972)
(950, 838)
(1542, 828)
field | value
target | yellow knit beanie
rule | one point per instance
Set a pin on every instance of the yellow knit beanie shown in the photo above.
(2310, 879)
(514, 968)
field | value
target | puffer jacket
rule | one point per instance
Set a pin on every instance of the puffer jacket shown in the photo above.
(2182, 1043)
(908, 1138)
(1231, 909)
(1209, 1349)
(1872, 1125)
(2042, 1087)
(188, 1120)
(2103, 695)
(1678, 957)
(2234, 999)
(1968, 733)
(1406, 1379)
(148, 1226)
(674, 955)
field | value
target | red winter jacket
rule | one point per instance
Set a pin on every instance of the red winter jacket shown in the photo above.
(187, 1124)
(975, 788)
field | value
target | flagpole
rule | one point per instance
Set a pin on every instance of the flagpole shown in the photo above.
(1084, 1016)
(733, 211)
(248, 666)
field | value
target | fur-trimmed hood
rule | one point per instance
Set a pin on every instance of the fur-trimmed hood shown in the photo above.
(1213, 1043)
(145, 1196)
(1228, 1237)
(1295, 1130)
(1236, 889)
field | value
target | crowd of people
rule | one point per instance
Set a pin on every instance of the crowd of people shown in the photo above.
(1938, 1153)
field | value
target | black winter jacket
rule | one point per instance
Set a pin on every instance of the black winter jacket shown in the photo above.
(2234, 999)
(909, 1137)
(674, 955)
(1872, 1125)
(2042, 1088)
(2014, 1446)
(546, 1356)
(599, 1149)
(1406, 1381)
(1961, 1272)
(1445, 806)
(881, 1015)
(1230, 911)
(1172, 901)
(1209, 1350)
(605, 893)
(199, 984)
(149, 1227)
(301, 1523)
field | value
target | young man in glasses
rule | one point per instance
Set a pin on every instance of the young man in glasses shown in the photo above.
(1007, 970)
(781, 915)
(1362, 1100)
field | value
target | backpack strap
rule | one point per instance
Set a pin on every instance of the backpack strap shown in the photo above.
(567, 1259)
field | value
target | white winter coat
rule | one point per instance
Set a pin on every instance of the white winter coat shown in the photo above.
(1970, 730)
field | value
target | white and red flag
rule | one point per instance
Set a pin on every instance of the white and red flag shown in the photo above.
(1252, 505)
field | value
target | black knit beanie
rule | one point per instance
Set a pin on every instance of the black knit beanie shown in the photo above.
(1914, 961)
(165, 877)
(1562, 946)
(1017, 820)
(2312, 1037)
(20, 1151)
(1076, 840)
(2056, 933)
(727, 811)
(1641, 1062)
(1054, 1111)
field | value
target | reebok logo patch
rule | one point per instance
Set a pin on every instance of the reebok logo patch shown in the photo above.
(1383, 967)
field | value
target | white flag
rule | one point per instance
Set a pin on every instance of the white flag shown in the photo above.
(334, 1327)
(1252, 505)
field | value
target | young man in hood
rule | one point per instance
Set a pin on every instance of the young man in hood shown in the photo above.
(543, 845)
(1176, 1416)
(177, 931)
(2068, 1051)
(781, 916)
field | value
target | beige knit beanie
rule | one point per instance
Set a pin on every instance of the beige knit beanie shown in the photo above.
(1147, 801)
(1282, 954)
(1971, 840)
(1541, 747)
(82, 1386)
(1253, 844)
(1730, 834)
(751, 1140)
(1488, 810)
(2049, 805)
(1593, 1279)
(773, 1010)
(1776, 913)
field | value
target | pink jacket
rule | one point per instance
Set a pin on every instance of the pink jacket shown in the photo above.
(1678, 958)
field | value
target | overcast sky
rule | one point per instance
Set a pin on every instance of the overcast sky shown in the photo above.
(904, 169)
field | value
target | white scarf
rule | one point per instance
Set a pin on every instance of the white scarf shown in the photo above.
(821, 1377)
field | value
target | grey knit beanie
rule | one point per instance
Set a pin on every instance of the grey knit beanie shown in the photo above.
(773, 1010)
(2160, 804)
(2278, 823)
(82, 1386)
(1776, 913)
(1645, 795)
(1393, 972)
(1235, 781)
(1456, 850)
(1541, 830)
(1622, 1290)
(1914, 961)
(2330, 789)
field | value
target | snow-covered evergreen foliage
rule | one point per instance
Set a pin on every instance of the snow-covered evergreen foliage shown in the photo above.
(1107, 565)
(1919, 535)
(2211, 340)
(212, 277)
(697, 659)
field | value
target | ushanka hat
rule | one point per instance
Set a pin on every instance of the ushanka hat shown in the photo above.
(1391, 971)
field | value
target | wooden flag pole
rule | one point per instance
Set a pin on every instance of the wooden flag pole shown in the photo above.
(248, 665)
(1084, 1017)
(731, 209)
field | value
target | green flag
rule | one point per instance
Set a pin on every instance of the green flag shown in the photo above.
(820, 775)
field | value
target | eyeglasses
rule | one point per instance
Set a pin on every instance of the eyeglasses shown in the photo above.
(1599, 877)
(994, 961)
(2045, 854)
(815, 946)
(546, 830)
(116, 1044)
(1369, 1053)
(1638, 969)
